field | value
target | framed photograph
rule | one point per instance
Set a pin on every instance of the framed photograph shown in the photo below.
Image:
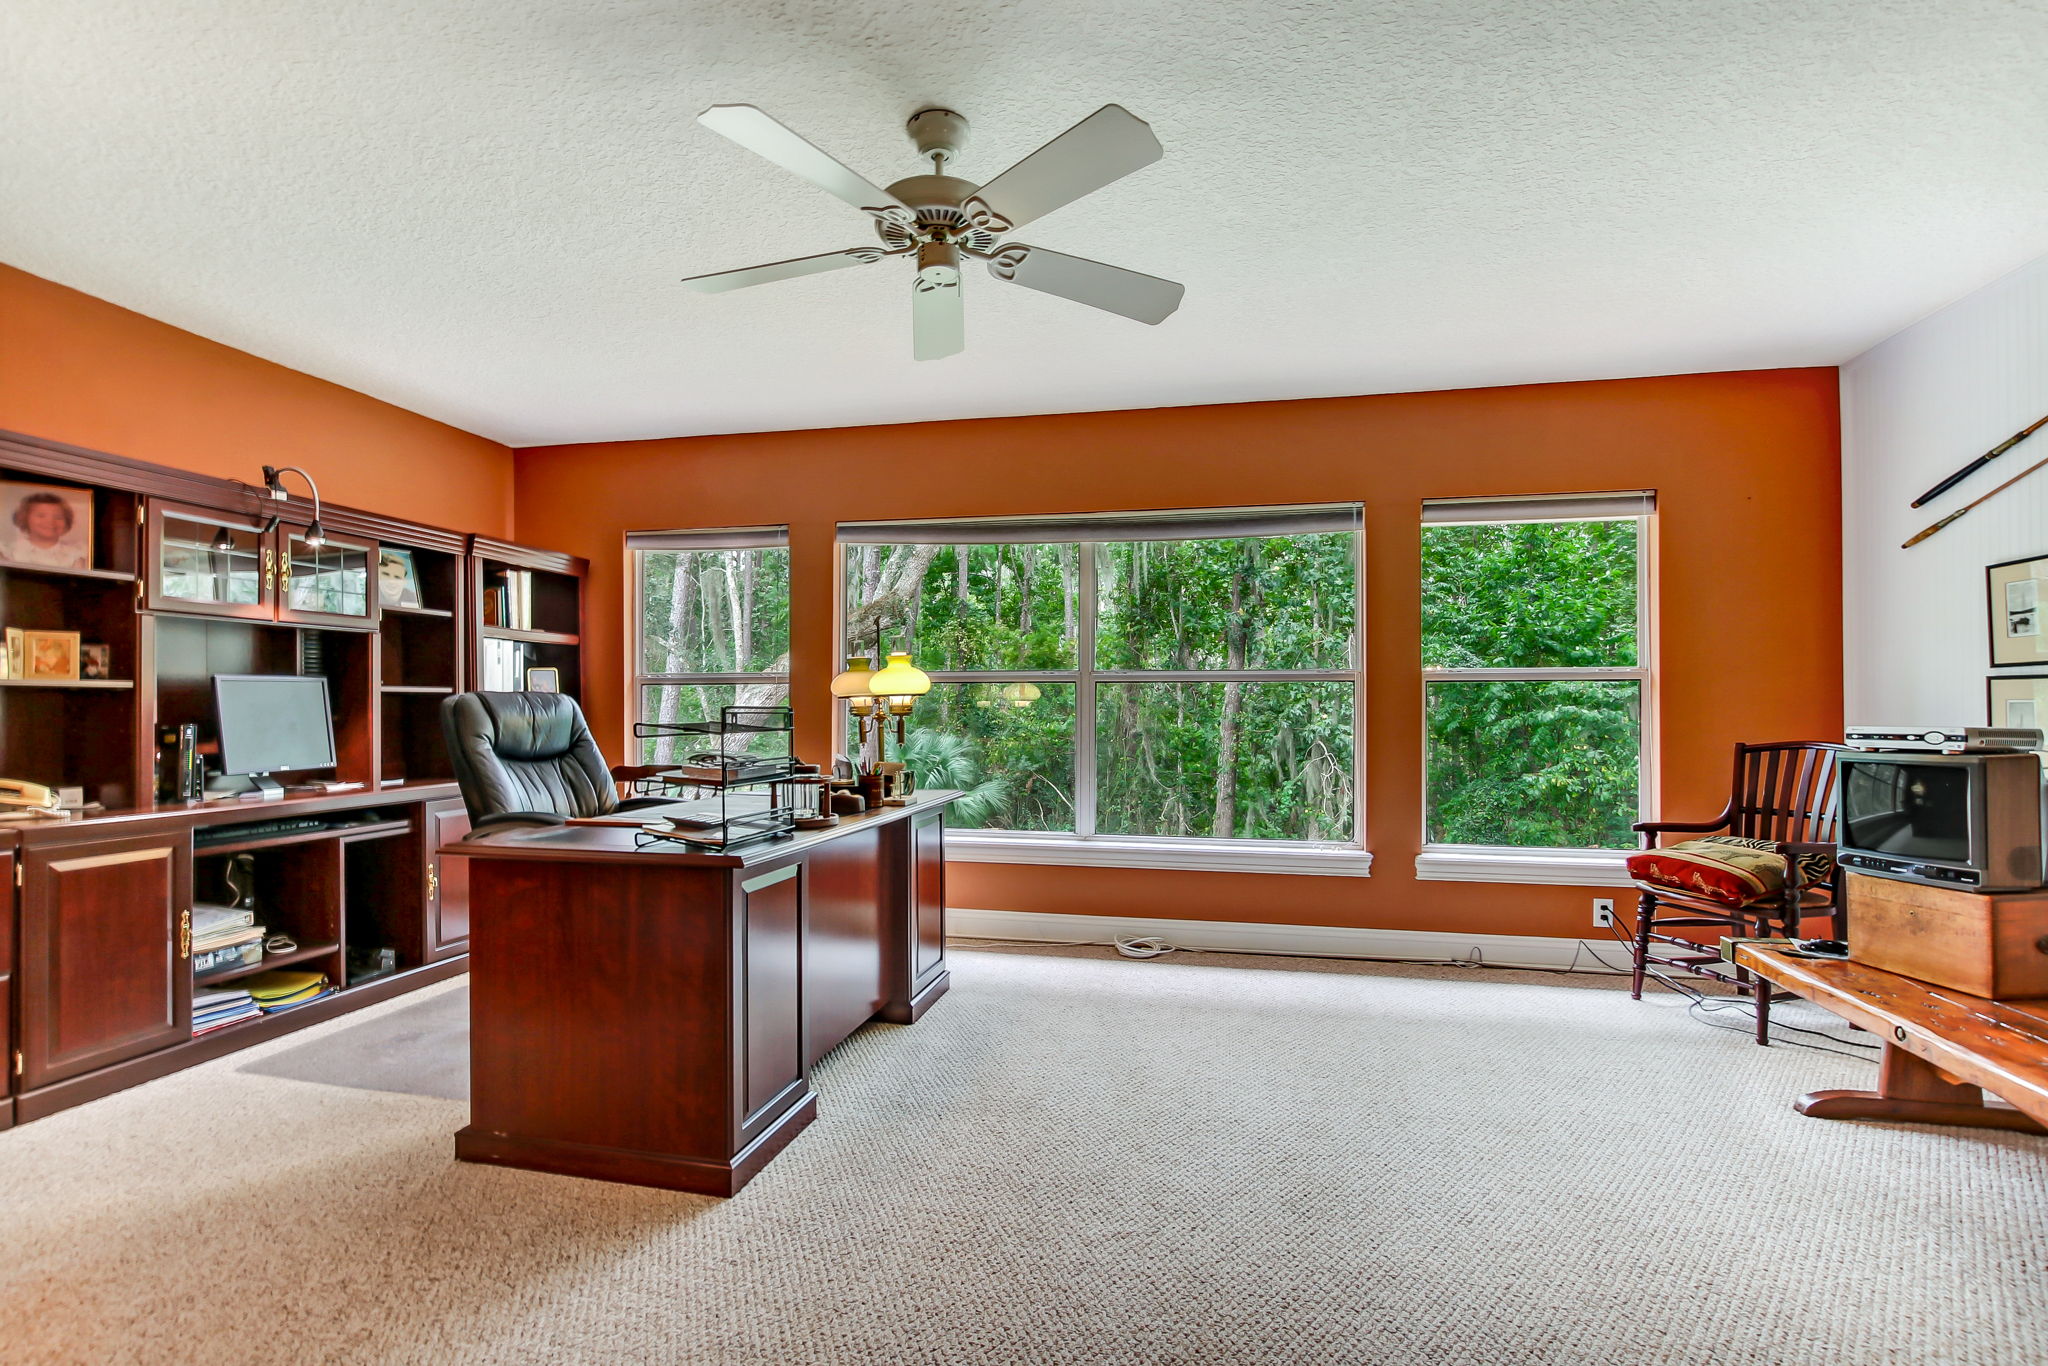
(50, 654)
(398, 578)
(47, 524)
(2017, 600)
(2017, 701)
(14, 656)
(95, 661)
(543, 680)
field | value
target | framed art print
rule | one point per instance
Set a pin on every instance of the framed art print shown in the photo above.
(2017, 594)
(2020, 700)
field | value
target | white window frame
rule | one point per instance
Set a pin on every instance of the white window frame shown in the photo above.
(1088, 849)
(1574, 867)
(639, 543)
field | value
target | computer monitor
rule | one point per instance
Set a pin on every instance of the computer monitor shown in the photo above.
(272, 723)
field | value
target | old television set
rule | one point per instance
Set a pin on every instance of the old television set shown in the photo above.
(272, 723)
(1949, 820)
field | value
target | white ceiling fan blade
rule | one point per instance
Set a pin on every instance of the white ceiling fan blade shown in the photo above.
(1113, 289)
(720, 281)
(938, 322)
(1107, 145)
(763, 135)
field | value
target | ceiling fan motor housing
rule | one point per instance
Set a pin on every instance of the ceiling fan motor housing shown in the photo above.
(936, 200)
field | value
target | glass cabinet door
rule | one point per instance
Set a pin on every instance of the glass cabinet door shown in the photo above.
(329, 582)
(208, 562)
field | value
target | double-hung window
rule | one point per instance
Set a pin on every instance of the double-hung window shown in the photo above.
(1170, 689)
(711, 626)
(1535, 655)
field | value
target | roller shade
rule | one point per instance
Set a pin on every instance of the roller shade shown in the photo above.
(1199, 524)
(731, 538)
(1561, 507)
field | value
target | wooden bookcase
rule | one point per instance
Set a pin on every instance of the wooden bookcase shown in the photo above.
(191, 576)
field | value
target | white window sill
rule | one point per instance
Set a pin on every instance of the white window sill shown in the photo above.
(1206, 856)
(1558, 867)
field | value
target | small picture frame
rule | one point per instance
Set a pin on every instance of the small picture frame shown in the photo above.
(14, 653)
(95, 661)
(49, 525)
(398, 578)
(543, 680)
(2017, 700)
(50, 655)
(2018, 612)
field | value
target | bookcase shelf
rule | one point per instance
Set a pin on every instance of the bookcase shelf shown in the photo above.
(58, 572)
(417, 689)
(305, 953)
(530, 637)
(115, 684)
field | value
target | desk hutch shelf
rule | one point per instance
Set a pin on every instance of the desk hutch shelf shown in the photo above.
(183, 576)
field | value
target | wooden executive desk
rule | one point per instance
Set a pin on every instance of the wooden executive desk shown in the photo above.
(651, 1014)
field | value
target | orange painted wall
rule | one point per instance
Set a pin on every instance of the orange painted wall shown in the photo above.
(1748, 574)
(80, 370)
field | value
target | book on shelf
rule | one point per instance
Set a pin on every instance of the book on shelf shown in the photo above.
(222, 1019)
(203, 1001)
(208, 918)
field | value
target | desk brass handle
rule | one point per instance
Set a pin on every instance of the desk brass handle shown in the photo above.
(433, 883)
(269, 571)
(184, 934)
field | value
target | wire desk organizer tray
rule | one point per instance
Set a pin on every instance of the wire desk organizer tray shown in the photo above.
(730, 764)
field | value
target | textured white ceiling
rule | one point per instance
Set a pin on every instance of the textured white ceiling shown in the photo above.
(480, 209)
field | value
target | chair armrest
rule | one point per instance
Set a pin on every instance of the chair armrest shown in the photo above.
(1649, 830)
(641, 803)
(629, 773)
(497, 818)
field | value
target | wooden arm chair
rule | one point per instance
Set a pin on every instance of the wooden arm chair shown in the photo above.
(1785, 792)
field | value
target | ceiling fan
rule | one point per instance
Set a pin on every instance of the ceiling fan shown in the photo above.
(941, 218)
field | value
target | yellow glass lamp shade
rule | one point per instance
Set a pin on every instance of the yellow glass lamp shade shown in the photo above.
(853, 681)
(1021, 694)
(899, 678)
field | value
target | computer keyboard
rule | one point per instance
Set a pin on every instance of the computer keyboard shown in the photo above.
(222, 834)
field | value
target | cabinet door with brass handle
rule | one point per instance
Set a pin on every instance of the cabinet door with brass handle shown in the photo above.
(447, 882)
(105, 972)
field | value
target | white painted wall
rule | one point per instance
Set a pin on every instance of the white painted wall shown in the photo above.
(1914, 408)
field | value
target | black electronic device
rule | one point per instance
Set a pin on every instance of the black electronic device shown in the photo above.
(272, 723)
(260, 830)
(179, 777)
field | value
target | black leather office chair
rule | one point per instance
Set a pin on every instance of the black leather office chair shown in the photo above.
(528, 758)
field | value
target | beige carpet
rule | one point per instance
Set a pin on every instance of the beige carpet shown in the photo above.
(1077, 1159)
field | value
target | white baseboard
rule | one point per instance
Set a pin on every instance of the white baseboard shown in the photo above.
(1304, 941)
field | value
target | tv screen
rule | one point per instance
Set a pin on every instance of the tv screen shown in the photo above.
(1908, 810)
(271, 723)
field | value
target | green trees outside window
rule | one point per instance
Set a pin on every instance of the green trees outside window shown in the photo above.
(1200, 687)
(1531, 639)
(713, 632)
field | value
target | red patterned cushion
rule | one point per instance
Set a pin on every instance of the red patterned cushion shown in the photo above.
(1733, 872)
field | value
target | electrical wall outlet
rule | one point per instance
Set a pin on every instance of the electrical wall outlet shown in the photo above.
(1603, 912)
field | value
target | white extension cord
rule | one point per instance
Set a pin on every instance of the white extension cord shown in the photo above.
(1143, 946)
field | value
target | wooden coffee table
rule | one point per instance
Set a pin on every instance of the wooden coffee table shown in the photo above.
(1943, 1050)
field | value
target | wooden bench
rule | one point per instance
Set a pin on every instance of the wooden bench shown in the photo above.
(1943, 1050)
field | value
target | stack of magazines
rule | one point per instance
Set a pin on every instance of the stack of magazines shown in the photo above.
(275, 992)
(213, 1010)
(224, 937)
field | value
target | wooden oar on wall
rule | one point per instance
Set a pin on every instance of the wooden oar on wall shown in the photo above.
(1967, 506)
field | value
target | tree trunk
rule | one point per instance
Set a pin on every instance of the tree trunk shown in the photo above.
(1028, 555)
(960, 556)
(1067, 591)
(744, 644)
(681, 607)
(1223, 823)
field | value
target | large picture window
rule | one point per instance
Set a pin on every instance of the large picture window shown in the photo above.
(1535, 667)
(1183, 676)
(711, 610)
